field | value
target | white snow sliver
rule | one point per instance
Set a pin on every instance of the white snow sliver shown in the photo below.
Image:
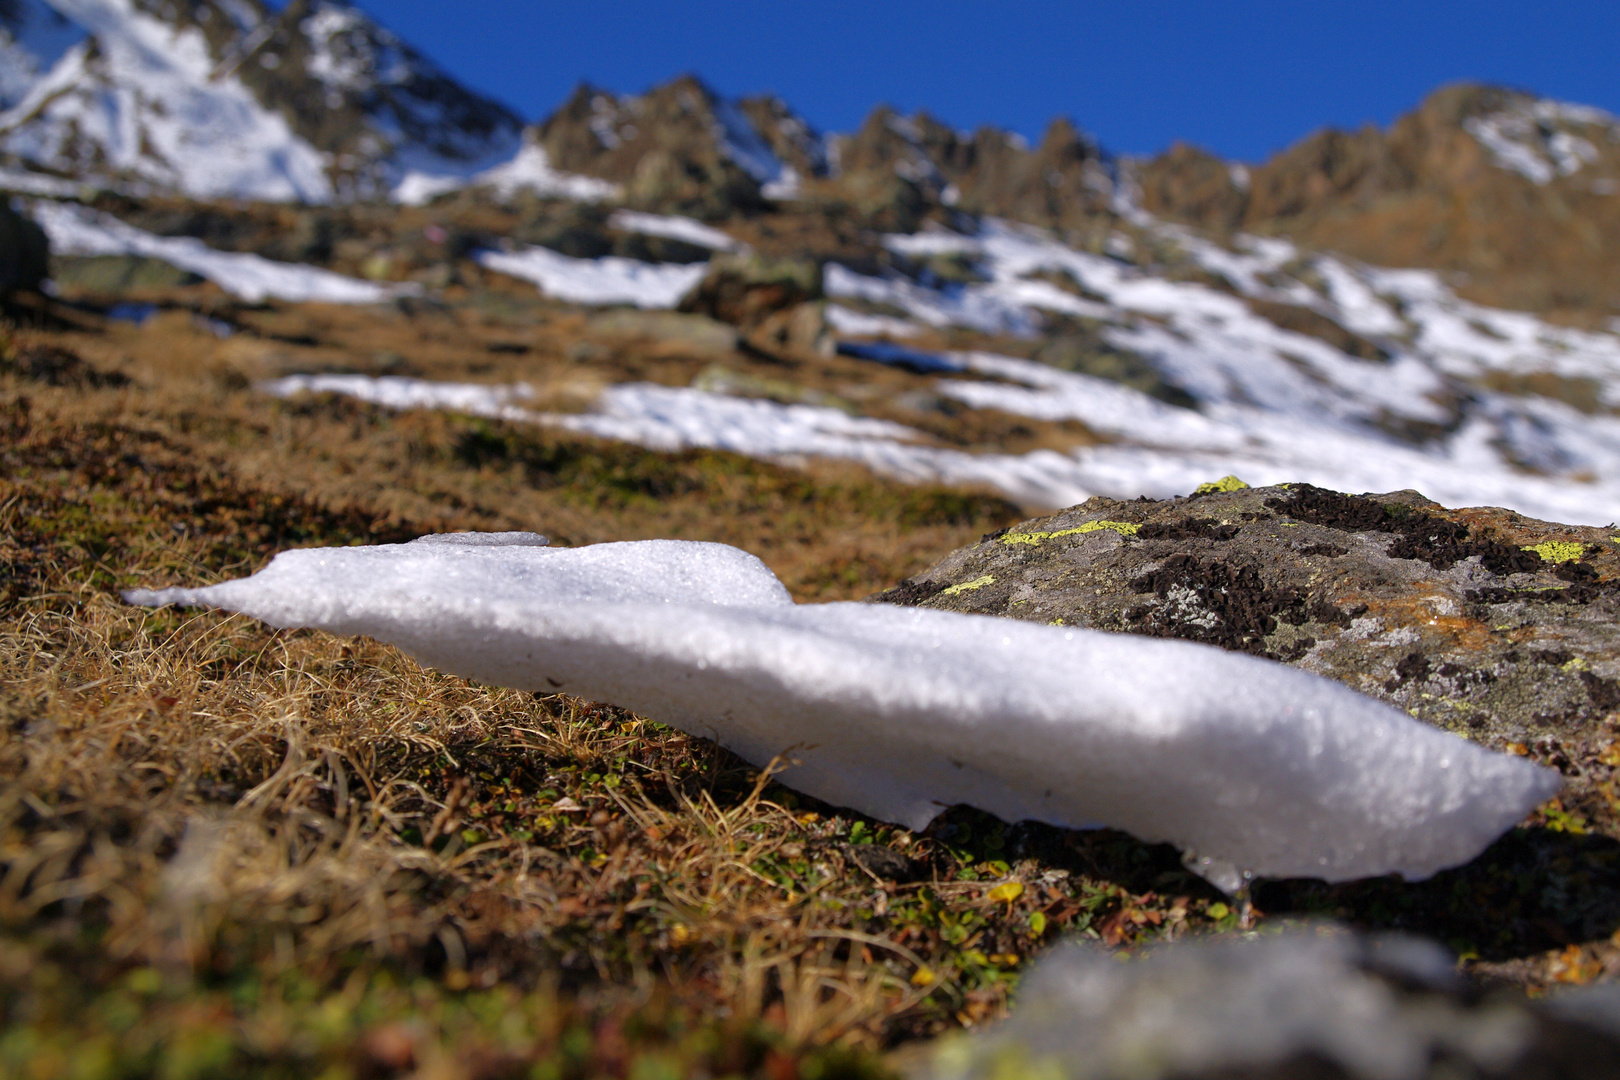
(1247, 765)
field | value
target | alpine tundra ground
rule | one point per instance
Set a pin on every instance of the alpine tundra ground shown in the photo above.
(232, 851)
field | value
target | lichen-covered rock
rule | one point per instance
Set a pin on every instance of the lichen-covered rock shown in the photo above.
(1480, 621)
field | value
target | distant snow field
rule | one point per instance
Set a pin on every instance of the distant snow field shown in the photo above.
(1273, 405)
(1532, 137)
(399, 392)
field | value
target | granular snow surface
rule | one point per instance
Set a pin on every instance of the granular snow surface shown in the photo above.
(1247, 765)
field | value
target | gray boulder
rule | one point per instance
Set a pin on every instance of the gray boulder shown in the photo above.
(24, 252)
(1481, 621)
(1310, 1003)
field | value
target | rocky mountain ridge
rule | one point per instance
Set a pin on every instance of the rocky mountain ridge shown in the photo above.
(1516, 196)
(228, 99)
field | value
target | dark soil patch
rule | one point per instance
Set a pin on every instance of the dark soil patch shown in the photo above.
(1413, 667)
(909, 593)
(1188, 529)
(56, 366)
(1303, 320)
(1223, 603)
(1532, 890)
(1440, 543)
(1604, 693)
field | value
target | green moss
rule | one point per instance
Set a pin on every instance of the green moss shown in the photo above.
(1225, 483)
(969, 586)
(1124, 528)
(1558, 551)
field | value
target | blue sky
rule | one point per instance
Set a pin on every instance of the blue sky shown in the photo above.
(1243, 79)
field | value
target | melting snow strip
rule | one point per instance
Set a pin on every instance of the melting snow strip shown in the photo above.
(75, 230)
(673, 227)
(529, 170)
(608, 280)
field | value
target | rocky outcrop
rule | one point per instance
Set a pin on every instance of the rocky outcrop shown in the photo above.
(337, 106)
(1481, 621)
(678, 148)
(746, 290)
(24, 252)
(895, 168)
(1518, 193)
(357, 92)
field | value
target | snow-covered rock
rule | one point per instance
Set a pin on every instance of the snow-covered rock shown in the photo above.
(1248, 766)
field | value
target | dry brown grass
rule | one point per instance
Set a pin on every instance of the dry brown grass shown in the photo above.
(227, 849)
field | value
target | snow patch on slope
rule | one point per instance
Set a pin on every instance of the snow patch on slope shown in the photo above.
(1247, 765)
(399, 392)
(75, 230)
(32, 183)
(1158, 450)
(860, 324)
(678, 418)
(1533, 138)
(1282, 404)
(673, 227)
(608, 280)
(529, 170)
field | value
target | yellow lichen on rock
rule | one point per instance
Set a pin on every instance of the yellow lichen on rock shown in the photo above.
(1225, 483)
(1558, 551)
(969, 586)
(1124, 528)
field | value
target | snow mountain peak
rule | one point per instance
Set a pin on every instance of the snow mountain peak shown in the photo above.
(224, 98)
